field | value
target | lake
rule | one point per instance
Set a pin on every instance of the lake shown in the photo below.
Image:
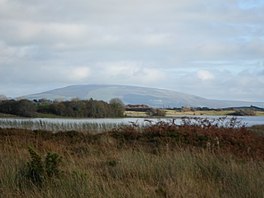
(103, 124)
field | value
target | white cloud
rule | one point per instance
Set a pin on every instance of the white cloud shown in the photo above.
(205, 75)
(40, 32)
(79, 73)
(128, 72)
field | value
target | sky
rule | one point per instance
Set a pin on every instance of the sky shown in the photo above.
(213, 49)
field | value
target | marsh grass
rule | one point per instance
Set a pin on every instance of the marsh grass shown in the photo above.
(257, 129)
(96, 126)
(160, 160)
(57, 126)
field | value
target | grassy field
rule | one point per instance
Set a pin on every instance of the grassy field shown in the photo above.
(162, 160)
(135, 114)
(206, 113)
(173, 113)
(209, 113)
(3, 115)
(260, 113)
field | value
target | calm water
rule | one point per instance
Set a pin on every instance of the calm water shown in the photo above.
(248, 120)
(102, 124)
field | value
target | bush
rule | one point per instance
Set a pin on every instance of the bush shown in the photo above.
(52, 162)
(36, 171)
(157, 112)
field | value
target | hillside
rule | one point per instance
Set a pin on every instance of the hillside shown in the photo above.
(137, 95)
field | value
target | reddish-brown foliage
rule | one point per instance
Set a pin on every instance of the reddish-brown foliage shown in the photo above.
(230, 138)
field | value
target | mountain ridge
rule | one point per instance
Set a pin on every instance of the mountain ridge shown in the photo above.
(154, 97)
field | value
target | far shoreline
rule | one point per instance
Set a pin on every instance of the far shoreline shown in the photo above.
(142, 114)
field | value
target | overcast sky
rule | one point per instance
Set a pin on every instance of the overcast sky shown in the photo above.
(213, 49)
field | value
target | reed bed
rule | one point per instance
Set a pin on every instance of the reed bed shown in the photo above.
(83, 126)
(58, 126)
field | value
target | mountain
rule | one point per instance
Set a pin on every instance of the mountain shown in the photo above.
(3, 97)
(137, 95)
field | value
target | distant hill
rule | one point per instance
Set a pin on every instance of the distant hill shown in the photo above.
(3, 97)
(137, 95)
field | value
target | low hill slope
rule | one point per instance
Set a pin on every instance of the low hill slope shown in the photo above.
(137, 95)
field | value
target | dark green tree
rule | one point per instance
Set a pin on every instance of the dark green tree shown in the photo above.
(117, 106)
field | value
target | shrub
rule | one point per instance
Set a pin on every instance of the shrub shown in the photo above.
(36, 171)
(52, 161)
(157, 112)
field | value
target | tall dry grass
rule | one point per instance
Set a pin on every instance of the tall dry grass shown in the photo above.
(162, 160)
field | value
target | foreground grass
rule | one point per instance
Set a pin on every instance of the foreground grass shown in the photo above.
(257, 129)
(128, 162)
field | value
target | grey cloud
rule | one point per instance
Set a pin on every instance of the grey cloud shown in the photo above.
(246, 85)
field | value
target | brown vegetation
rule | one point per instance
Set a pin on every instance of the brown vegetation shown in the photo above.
(159, 160)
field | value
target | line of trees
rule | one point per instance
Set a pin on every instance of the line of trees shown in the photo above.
(75, 108)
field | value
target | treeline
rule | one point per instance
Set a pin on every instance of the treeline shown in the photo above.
(75, 108)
